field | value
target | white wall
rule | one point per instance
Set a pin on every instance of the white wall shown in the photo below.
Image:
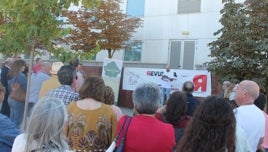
(162, 24)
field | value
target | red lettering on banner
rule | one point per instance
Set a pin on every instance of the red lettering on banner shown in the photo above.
(148, 72)
(200, 81)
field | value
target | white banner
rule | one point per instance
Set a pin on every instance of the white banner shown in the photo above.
(201, 78)
(111, 74)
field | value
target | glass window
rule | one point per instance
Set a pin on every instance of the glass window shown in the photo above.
(135, 8)
(133, 52)
(189, 6)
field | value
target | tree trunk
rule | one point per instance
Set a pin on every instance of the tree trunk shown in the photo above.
(110, 53)
(24, 122)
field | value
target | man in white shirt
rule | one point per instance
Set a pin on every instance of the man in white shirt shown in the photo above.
(248, 116)
(166, 78)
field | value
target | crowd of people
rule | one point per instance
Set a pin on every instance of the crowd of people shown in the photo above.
(70, 111)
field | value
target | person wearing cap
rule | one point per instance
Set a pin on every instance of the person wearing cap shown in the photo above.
(4, 70)
(37, 80)
(52, 82)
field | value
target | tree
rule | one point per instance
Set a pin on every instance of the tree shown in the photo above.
(32, 24)
(241, 50)
(105, 24)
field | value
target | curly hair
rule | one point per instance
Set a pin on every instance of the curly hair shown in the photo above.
(212, 128)
(176, 107)
(108, 96)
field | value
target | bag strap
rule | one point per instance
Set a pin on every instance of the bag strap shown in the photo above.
(128, 122)
(127, 119)
(123, 138)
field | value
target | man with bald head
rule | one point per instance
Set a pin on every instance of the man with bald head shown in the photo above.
(166, 85)
(4, 70)
(248, 116)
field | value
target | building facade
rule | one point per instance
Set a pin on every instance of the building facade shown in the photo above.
(174, 31)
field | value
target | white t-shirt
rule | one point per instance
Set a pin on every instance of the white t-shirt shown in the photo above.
(242, 144)
(20, 143)
(166, 83)
(251, 119)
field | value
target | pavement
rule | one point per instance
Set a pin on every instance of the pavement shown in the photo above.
(127, 111)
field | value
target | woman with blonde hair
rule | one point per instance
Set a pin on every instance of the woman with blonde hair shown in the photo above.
(45, 129)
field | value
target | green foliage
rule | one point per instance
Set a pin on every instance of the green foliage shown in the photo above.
(32, 24)
(105, 23)
(67, 55)
(240, 52)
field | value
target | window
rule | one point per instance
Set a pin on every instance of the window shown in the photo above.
(135, 8)
(182, 54)
(133, 53)
(189, 6)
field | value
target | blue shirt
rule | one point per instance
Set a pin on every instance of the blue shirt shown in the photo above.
(64, 93)
(21, 79)
(36, 84)
(8, 132)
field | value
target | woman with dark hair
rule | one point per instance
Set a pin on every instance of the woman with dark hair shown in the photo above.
(212, 128)
(109, 100)
(15, 75)
(175, 113)
(92, 124)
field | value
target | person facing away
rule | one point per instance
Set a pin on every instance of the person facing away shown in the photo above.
(225, 85)
(8, 130)
(45, 129)
(53, 81)
(109, 100)
(166, 85)
(15, 75)
(38, 65)
(260, 102)
(192, 102)
(92, 124)
(211, 129)
(145, 132)
(66, 77)
(229, 93)
(80, 77)
(175, 113)
(37, 80)
(5, 109)
(248, 116)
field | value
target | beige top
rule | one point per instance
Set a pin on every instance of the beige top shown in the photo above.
(49, 84)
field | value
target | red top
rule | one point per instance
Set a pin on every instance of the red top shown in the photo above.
(37, 68)
(147, 134)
